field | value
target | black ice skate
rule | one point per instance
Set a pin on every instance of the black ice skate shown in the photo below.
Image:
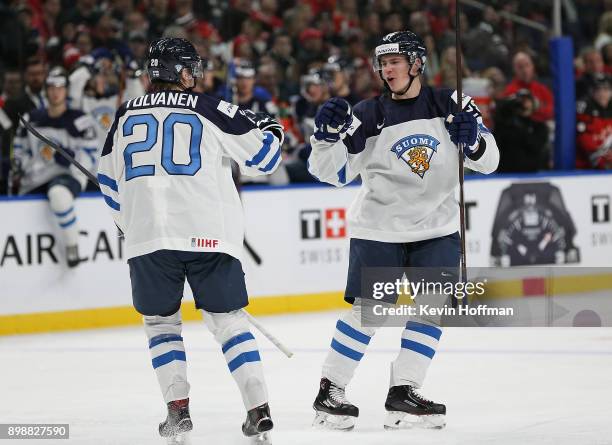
(257, 425)
(406, 409)
(334, 411)
(178, 423)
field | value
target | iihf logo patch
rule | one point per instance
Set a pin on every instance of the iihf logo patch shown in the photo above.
(416, 150)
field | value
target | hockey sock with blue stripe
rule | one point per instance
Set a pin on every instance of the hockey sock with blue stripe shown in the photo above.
(168, 355)
(241, 353)
(61, 202)
(348, 346)
(418, 346)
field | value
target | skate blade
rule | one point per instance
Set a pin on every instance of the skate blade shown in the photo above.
(397, 420)
(333, 422)
(179, 439)
(261, 439)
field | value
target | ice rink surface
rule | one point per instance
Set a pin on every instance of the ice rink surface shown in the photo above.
(500, 385)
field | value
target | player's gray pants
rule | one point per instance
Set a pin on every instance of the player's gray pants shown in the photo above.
(168, 355)
(231, 330)
(418, 345)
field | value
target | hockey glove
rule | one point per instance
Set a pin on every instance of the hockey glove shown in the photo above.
(463, 129)
(333, 119)
(266, 122)
(61, 160)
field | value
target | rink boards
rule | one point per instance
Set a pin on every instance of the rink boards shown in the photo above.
(300, 234)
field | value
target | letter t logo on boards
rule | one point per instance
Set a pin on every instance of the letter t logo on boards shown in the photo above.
(310, 224)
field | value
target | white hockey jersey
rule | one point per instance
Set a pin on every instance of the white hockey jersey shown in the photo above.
(73, 130)
(408, 166)
(165, 172)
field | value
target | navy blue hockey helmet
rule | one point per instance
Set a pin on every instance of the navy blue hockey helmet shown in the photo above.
(406, 43)
(168, 56)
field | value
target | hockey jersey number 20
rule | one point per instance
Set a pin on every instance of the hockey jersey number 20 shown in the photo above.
(165, 171)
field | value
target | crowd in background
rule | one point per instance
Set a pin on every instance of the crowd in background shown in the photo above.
(288, 57)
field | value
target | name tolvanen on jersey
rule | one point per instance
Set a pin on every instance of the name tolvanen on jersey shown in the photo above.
(164, 98)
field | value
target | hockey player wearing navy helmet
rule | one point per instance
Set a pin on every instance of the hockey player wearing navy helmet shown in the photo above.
(165, 173)
(402, 144)
(168, 57)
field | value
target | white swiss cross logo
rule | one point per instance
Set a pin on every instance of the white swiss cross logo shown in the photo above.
(335, 223)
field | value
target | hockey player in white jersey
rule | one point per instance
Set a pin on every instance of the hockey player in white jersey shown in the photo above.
(165, 173)
(402, 144)
(42, 170)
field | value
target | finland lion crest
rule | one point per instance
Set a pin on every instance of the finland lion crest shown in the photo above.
(416, 150)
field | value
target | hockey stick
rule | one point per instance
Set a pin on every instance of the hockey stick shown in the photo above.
(462, 260)
(269, 336)
(93, 179)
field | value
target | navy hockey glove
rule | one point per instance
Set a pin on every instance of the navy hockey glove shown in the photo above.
(333, 119)
(61, 160)
(463, 129)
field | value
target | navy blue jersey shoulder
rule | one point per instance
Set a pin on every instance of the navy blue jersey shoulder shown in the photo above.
(380, 112)
(223, 115)
(431, 103)
(108, 142)
(40, 118)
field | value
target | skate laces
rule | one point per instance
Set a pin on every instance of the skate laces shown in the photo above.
(338, 395)
(418, 396)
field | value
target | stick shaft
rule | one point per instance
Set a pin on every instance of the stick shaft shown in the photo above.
(463, 260)
(269, 336)
(60, 150)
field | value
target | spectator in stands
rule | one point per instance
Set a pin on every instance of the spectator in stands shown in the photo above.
(33, 95)
(312, 48)
(525, 79)
(605, 30)
(522, 140)
(447, 76)
(485, 45)
(593, 66)
(84, 12)
(313, 92)
(11, 85)
(47, 25)
(231, 21)
(594, 126)
(497, 81)
(337, 73)
(11, 89)
(159, 18)
(32, 40)
(246, 95)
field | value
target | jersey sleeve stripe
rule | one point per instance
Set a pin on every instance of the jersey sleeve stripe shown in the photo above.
(270, 165)
(108, 181)
(342, 175)
(111, 202)
(261, 154)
